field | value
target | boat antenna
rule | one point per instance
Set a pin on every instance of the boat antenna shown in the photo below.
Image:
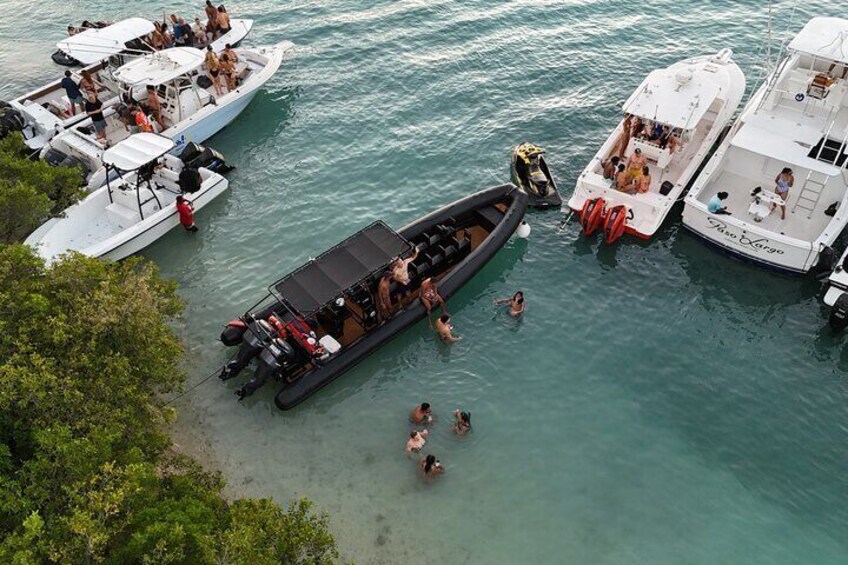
(768, 42)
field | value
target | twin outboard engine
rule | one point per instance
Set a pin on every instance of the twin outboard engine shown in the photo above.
(10, 120)
(254, 337)
(274, 360)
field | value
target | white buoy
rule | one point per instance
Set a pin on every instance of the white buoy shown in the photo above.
(340, 302)
(523, 230)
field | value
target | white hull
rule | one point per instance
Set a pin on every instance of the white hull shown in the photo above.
(649, 210)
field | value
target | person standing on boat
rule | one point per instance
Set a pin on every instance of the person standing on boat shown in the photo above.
(421, 414)
(154, 106)
(213, 69)
(223, 21)
(186, 212)
(429, 296)
(228, 72)
(384, 296)
(635, 164)
(230, 53)
(783, 182)
(94, 109)
(74, 93)
(87, 83)
(400, 272)
(443, 329)
(624, 138)
(211, 21)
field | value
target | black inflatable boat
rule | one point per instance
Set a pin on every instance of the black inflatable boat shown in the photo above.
(531, 174)
(320, 320)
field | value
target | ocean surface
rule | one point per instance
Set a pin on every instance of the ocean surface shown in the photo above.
(658, 403)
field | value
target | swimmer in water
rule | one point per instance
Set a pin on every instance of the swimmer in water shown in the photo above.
(516, 304)
(416, 441)
(421, 414)
(443, 329)
(430, 466)
(462, 424)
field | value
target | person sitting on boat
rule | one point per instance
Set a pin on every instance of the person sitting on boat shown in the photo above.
(783, 182)
(637, 128)
(443, 329)
(429, 296)
(213, 69)
(656, 133)
(154, 106)
(431, 467)
(186, 212)
(198, 33)
(622, 180)
(643, 182)
(384, 296)
(74, 93)
(140, 120)
(516, 303)
(421, 414)
(157, 40)
(178, 25)
(462, 422)
(609, 167)
(400, 271)
(716, 204)
(636, 163)
(416, 441)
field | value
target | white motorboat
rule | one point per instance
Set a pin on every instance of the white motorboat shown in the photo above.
(190, 109)
(131, 212)
(127, 37)
(674, 118)
(797, 120)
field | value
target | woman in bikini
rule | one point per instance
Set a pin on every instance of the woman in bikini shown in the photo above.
(213, 69)
(431, 467)
(783, 182)
(462, 422)
(516, 304)
(429, 295)
(223, 20)
(87, 84)
(228, 71)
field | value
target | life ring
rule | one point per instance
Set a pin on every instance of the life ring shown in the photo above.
(592, 215)
(614, 223)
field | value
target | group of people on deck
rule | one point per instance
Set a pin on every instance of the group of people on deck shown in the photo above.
(782, 183)
(182, 34)
(634, 177)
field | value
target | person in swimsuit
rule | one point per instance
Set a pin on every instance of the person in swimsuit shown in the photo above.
(610, 165)
(462, 422)
(416, 441)
(384, 296)
(157, 39)
(213, 69)
(516, 304)
(783, 182)
(643, 184)
(211, 21)
(430, 296)
(431, 467)
(400, 273)
(231, 53)
(443, 329)
(154, 106)
(624, 138)
(198, 33)
(635, 164)
(421, 414)
(87, 84)
(228, 72)
(622, 181)
(223, 21)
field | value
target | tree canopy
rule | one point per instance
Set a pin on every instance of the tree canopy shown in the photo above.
(31, 191)
(86, 473)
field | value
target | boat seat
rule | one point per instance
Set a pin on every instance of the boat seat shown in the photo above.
(121, 215)
(489, 217)
(432, 238)
(463, 245)
(435, 259)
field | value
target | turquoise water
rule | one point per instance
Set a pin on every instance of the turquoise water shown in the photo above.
(659, 403)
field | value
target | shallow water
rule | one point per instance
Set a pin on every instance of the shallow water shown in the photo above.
(659, 403)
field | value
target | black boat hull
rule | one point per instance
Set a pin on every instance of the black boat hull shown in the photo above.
(536, 200)
(294, 393)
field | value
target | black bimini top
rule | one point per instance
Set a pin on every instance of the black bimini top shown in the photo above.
(324, 278)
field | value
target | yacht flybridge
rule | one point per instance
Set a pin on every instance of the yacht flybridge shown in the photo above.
(797, 120)
(190, 109)
(673, 119)
(46, 111)
(132, 211)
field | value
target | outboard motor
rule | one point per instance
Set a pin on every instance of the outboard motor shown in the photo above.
(195, 155)
(277, 357)
(592, 215)
(824, 266)
(10, 120)
(257, 333)
(838, 319)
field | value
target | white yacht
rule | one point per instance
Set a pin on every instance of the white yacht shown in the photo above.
(797, 120)
(131, 212)
(190, 109)
(46, 111)
(691, 101)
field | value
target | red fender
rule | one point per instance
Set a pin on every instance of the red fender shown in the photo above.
(614, 223)
(592, 215)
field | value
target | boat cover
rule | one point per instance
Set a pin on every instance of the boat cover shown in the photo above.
(137, 150)
(161, 66)
(324, 278)
(663, 98)
(94, 45)
(825, 38)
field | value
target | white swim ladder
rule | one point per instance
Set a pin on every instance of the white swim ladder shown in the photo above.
(811, 192)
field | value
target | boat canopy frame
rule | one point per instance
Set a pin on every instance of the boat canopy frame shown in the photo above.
(137, 154)
(319, 282)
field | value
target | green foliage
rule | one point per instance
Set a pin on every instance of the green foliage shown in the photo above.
(31, 191)
(86, 475)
